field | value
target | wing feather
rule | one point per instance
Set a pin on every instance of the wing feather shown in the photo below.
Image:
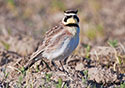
(48, 40)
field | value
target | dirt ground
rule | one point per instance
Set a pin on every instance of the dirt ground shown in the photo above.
(98, 61)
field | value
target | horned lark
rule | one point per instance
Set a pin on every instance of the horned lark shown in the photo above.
(60, 41)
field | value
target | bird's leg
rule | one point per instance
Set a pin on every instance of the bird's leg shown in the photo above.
(56, 67)
(62, 66)
(46, 65)
(65, 60)
(63, 70)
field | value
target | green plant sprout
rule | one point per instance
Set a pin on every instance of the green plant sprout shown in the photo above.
(6, 45)
(113, 43)
(59, 85)
(48, 76)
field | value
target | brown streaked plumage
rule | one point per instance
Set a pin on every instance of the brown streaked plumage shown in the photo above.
(60, 41)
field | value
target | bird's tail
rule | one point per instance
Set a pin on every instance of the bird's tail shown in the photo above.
(34, 58)
(29, 64)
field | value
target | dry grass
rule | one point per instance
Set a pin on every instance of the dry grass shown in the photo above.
(98, 62)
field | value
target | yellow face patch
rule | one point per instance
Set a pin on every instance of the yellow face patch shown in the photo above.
(71, 20)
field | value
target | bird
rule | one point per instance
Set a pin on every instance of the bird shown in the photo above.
(60, 41)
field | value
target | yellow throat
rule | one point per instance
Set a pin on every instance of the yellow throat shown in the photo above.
(71, 21)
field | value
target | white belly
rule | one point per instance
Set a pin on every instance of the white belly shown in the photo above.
(64, 50)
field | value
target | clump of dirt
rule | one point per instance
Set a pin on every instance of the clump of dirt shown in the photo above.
(79, 72)
(96, 63)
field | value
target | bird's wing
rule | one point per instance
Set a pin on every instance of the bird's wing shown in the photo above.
(52, 40)
(48, 39)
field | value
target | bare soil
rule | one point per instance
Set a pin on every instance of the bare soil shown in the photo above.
(94, 64)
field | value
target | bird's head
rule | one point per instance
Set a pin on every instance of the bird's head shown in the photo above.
(70, 17)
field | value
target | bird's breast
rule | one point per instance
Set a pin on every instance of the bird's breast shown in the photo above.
(73, 30)
(66, 47)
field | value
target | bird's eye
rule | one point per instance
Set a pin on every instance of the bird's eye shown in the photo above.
(67, 17)
(76, 18)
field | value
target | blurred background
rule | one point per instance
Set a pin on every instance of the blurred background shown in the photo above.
(99, 59)
(24, 22)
